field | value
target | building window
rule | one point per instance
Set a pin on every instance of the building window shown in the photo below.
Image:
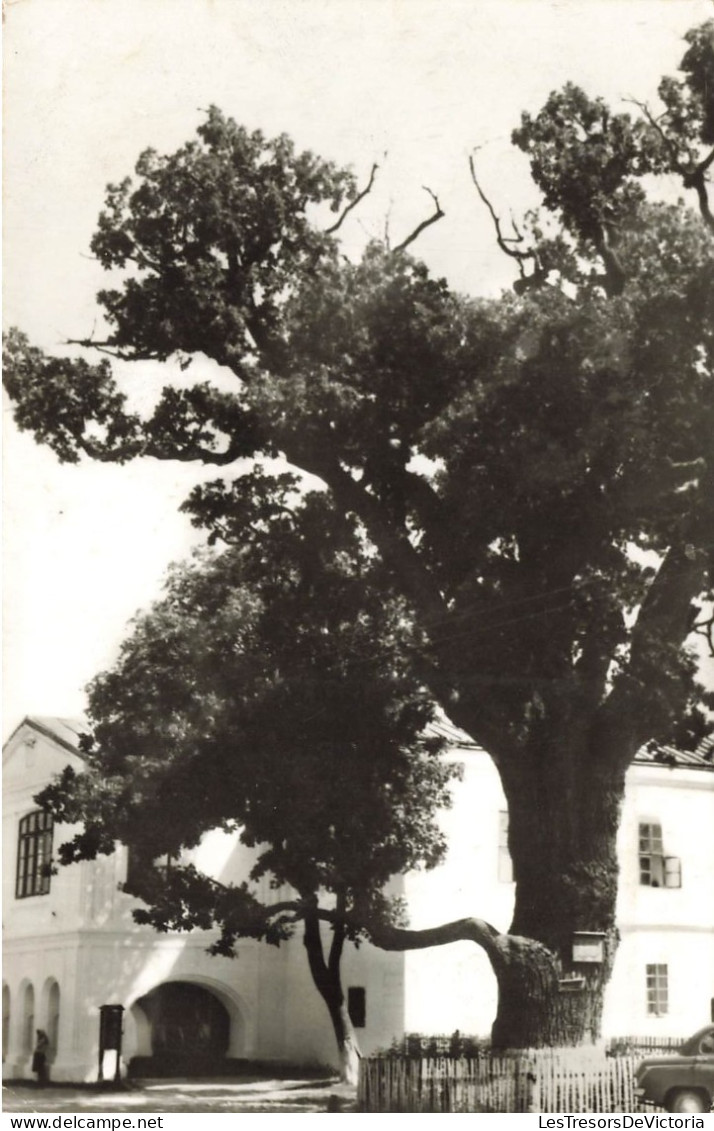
(656, 869)
(34, 855)
(357, 1006)
(657, 990)
(138, 866)
(505, 864)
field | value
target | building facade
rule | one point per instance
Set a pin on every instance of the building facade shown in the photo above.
(71, 944)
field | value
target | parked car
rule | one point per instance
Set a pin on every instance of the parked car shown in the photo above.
(682, 1081)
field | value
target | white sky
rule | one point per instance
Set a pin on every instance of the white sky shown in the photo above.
(90, 83)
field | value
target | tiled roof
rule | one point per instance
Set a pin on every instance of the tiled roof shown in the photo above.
(651, 753)
(706, 748)
(444, 728)
(660, 755)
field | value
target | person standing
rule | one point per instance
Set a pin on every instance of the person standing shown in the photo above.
(39, 1057)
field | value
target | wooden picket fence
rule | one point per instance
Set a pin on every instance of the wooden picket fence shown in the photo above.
(444, 1084)
(552, 1080)
(644, 1046)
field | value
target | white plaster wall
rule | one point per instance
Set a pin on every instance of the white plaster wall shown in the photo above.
(452, 987)
(671, 926)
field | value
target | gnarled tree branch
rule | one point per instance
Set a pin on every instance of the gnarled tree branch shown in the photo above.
(353, 203)
(501, 949)
(436, 215)
(505, 242)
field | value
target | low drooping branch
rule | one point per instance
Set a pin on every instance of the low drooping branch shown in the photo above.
(436, 215)
(501, 949)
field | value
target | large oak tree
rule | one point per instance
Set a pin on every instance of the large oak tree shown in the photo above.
(534, 472)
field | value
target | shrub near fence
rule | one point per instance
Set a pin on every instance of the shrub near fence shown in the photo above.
(543, 1080)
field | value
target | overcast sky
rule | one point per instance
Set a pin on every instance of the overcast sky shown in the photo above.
(90, 83)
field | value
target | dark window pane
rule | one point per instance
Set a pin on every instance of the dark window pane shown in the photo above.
(357, 1006)
(34, 855)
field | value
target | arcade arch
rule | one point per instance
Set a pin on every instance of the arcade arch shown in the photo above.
(187, 1025)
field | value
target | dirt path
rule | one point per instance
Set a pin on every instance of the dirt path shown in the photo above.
(156, 1096)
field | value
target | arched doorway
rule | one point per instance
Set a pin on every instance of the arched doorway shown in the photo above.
(189, 1030)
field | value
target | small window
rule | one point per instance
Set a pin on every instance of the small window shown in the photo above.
(34, 855)
(357, 1006)
(657, 990)
(505, 864)
(137, 866)
(656, 869)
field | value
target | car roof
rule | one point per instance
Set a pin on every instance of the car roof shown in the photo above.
(693, 1041)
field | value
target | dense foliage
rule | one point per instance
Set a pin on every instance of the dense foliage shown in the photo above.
(533, 474)
(269, 693)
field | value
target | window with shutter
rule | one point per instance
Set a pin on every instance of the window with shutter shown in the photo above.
(656, 869)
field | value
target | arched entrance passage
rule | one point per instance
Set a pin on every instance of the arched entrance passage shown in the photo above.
(188, 1030)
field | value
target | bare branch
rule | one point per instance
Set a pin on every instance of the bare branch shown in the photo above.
(503, 241)
(353, 204)
(436, 215)
(112, 350)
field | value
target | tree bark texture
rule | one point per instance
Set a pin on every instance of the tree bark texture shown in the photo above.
(326, 976)
(564, 811)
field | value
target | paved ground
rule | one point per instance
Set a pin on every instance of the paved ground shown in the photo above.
(150, 1097)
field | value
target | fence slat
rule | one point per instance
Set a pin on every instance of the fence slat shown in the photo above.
(542, 1080)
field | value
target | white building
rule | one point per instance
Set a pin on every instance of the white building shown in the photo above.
(71, 944)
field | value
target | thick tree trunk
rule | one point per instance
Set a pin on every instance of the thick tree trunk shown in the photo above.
(326, 976)
(564, 807)
(564, 812)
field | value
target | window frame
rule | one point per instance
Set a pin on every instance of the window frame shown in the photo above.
(656, 870)
(657, 989)
(34, 854)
